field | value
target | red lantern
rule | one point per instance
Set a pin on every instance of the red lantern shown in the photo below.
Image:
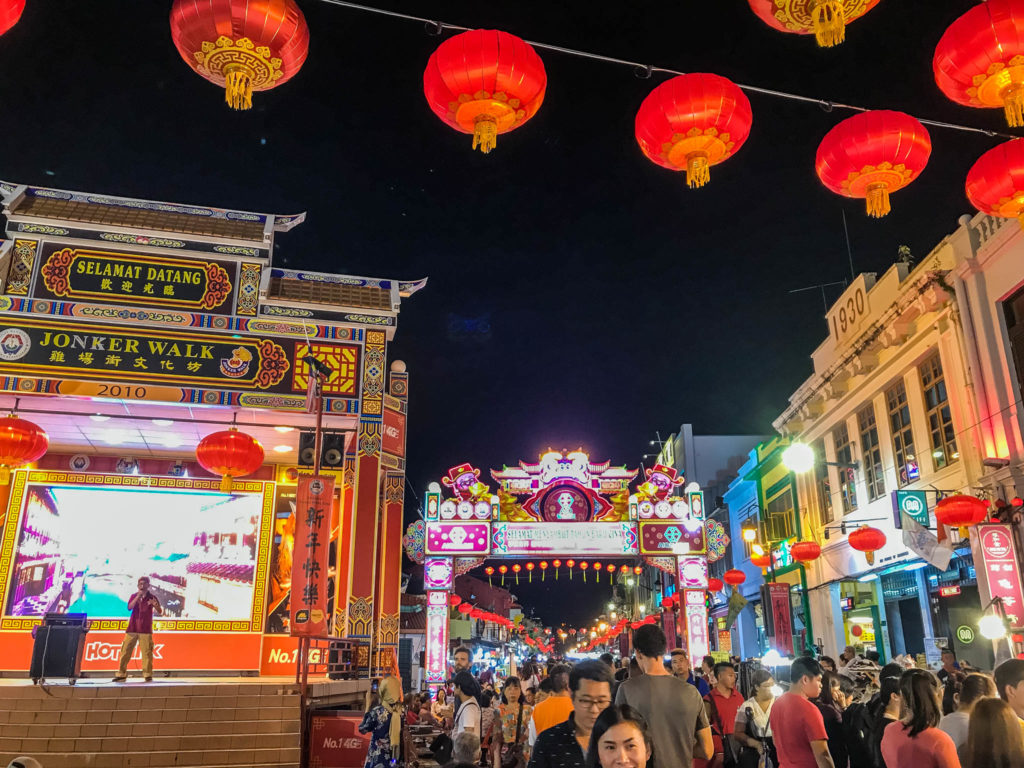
(465, 608)
(241, 45)
(517, 568)
(867, 540)
(692, 122)
(230, 454)
(454, 600)
(484, 82)
(995, 183)
(734, 577)
(762, 561)
(715, 585)
(637, 569)
(489, 570)
(872, 155)
(623, 569)
(826, 19)
(978, 59)
(21, 442)
(570, 563)
(805, 551)
(961, 511)
(10, 12)
(666, 602)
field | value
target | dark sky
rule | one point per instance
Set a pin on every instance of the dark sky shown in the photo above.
(618, 301)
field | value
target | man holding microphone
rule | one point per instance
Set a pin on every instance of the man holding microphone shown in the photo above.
(140, 631)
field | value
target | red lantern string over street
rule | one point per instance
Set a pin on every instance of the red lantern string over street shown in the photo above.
(21, 443)
(465, 608)
(872, 155)
(995, 183)
(805, 551)
(241, 45)
(485, 82)
(230, 454)
(761, 561)
(692, 122)
(734, 577)
(961, 511)
(638, 569)
(623, 569)
(867, 540)
(715, 585)
(454, 600)
(10, 12)
(825, 19)
(979, 61)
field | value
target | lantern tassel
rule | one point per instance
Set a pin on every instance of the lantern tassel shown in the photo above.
(829, 19)
(878, 200)
(225, 484)
(485, 133)
(5, 475)
(870, 557)
(1013, 104)
(698, 171)
(238, 89)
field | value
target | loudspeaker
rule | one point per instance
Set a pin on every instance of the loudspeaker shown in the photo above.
(332, 451)
(57, 652)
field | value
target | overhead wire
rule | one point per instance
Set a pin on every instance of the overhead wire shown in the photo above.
(437, 27)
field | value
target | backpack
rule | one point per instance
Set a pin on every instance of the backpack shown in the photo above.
(858, 727)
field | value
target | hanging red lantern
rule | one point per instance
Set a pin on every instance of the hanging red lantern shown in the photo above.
(485, 82)
(762, 561)
(979, 61)
(825, 19)
(692, 122)
(805, 551)
(529, 569)
(666, 602)
(715, 585)
(465, 608)
(638, 569)
(241, 45)
(961, 511)
(995, 183)
(867, 540)
(569, 564)
(489, 570)
(230, 454)
(10, 12)
(623, 569)
(21, 443)
(873, 154)
(734, 577)
(454, 600)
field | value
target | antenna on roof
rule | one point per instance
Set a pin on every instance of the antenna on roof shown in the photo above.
(822, 287)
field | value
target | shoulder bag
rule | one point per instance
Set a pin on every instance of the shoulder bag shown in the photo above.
(512, 754)
(729, 757)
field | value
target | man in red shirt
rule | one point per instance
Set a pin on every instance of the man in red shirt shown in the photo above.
(140, 631)
(797, 725)
(723, 702)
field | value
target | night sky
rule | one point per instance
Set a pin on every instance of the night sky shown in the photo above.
(579, 295)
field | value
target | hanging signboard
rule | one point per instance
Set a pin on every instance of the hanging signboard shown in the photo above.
(779, 620)
(608, 539)
(1002, 569)
(913, 504)
(685, 537)
(696, 614)
(308, 600)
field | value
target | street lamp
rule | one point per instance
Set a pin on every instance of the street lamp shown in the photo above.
(993, 625)
(799, 458)
(749, 534)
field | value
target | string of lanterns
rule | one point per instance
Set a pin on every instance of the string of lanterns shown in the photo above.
(584, 566)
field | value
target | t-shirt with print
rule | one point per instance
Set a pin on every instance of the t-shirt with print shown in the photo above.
(796, 722)
(674, 712)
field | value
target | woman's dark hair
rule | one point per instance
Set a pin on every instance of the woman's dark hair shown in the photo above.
(921, 698)
(615, 714)
(509, 682)
(889, 686)
(846, 685)
(466, 683)
(486, 698)
(830, 660)
(976, 686)
(994, 736)
(759, 677)
(441, 692)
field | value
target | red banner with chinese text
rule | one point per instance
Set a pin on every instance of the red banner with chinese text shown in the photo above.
(668, 623)
(782, 619)
(1002, 569)
(308, 601)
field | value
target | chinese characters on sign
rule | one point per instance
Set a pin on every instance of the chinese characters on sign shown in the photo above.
(308, 602)
(1002, 569)
(563, 538)
(696, 625)
(781, 621)
(437, 637)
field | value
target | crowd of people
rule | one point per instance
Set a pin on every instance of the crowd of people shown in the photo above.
(644, 713)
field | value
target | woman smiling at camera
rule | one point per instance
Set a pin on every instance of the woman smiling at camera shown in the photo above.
(620, 740)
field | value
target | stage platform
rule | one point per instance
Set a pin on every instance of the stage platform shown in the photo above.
(202, 722)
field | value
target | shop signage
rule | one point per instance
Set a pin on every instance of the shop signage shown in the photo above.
(949, 591)
(913, 504)
(609, 539)
(780, 624)
(724, 641)
(679, 538)
(392, 439)
(124, 278)
(696, 613)
(335, 740)
(95, 352)
(437, 637)
(693, 572)
(308, 601)
(457, 538)
(965, 634)
(1002, 569)
(438, 573)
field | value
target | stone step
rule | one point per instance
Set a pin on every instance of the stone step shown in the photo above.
(200, 743)
(249, 758)
(209, 728)
(84, 717)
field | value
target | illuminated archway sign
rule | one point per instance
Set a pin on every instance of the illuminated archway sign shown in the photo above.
(563, 506)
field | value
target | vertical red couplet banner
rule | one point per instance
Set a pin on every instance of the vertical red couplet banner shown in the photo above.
(668, 622)
(782, 617)
(308, 602)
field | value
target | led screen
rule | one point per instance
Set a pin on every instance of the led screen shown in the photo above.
(83, 549)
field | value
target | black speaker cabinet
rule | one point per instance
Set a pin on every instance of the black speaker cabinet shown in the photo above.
(332, 451)
(57, 652)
